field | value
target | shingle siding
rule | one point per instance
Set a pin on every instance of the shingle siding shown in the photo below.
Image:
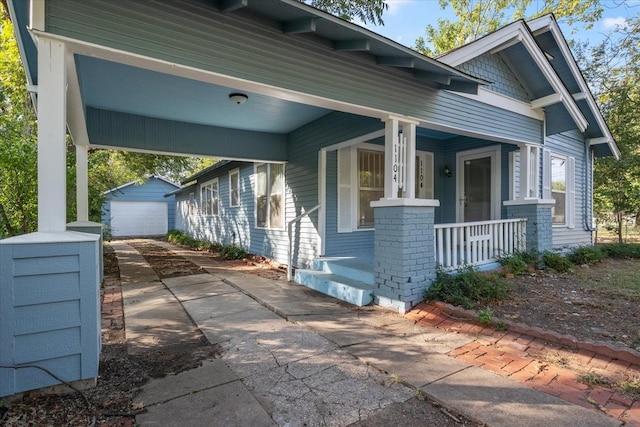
(494, 69)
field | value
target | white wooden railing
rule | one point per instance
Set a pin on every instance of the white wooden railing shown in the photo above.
(477, 243)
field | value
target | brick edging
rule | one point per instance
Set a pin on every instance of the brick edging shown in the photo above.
(598, 347)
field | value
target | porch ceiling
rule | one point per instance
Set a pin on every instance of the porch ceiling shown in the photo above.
(118, 98)
(117, 87)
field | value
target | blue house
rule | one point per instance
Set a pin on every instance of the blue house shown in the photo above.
(347, 153)
(140, 209)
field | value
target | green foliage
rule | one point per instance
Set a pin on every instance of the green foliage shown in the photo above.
(621, 250)
(229, 251)
(613, 71)
(467, 287)
(475, 18)
(485, 316)
(232, 252)
(519, 262)
(367, 11)
(18, 140)
(557, 262)
(586, 255)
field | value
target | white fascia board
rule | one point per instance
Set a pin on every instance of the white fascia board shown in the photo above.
(545, 101)
(547, 70)
(547, 23)
(495, 99)
(120, 187)
(175, 69)
(503, 37)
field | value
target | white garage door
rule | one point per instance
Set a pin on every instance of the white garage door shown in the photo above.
(138, 218)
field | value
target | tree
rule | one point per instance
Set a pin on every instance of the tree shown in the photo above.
(18, 160)
(613, 69)
(365, 10)
(475, 18)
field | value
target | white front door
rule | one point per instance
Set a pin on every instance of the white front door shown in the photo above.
(478, 185)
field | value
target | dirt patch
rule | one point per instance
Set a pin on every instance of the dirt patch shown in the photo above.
(589, 303)
(166, 263)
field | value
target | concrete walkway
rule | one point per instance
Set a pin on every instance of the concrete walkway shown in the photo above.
(295, 357)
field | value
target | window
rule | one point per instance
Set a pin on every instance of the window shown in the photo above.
(270, 195)
(234, 188)
(559, 185)
(559, 189)
(361, 181)
(209, 198)
(370, 184)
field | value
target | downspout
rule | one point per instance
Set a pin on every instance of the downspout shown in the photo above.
(588, 184)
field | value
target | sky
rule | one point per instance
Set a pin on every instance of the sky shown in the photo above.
(406, 20)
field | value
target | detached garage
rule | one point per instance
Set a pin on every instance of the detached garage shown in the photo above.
(136, 209)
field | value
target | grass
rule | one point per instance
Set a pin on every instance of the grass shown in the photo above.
(594, 378)
(621, 282)
(631, 386)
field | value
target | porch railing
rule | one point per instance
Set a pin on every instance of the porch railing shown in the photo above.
(477, 243)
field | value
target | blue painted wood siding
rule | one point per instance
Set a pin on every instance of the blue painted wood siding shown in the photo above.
(572, 144)
(152, 190)
(49, 312)
(199, 37)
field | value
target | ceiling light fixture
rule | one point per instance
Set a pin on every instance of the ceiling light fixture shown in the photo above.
(238, 98)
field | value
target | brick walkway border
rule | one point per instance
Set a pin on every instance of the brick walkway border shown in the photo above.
(516, 353)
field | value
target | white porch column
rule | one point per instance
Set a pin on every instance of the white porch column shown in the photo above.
(529, 171)
(409, 132)
(391, 131)
(52, 107)
(399, 158)
(82, 183)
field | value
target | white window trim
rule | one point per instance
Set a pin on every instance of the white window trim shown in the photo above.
(215, 181)
(232, 172)
(284, 194)
(570, 193)
(495, 152)
(353, 187)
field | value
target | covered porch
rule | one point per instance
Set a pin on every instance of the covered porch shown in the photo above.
(172, 77)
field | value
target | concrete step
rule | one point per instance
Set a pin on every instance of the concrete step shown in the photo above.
(357, 269)
(345, 289)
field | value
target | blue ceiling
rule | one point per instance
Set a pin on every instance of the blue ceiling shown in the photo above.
(117, 87)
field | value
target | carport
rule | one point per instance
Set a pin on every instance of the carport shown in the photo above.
(162, 77)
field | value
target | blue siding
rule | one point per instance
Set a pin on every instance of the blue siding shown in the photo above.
(572, 144)
(232, 45)
(49, 309)
(151, 190)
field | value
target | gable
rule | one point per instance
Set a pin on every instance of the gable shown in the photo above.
(151, 189)
(493, 69)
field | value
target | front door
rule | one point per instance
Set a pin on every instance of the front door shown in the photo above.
(478, 186)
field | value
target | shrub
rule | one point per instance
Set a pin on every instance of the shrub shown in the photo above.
(467, 287)
(586, 255)
(180, 238)
(557, 262)
(232, 252)
(621, 250)
(519, 262)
